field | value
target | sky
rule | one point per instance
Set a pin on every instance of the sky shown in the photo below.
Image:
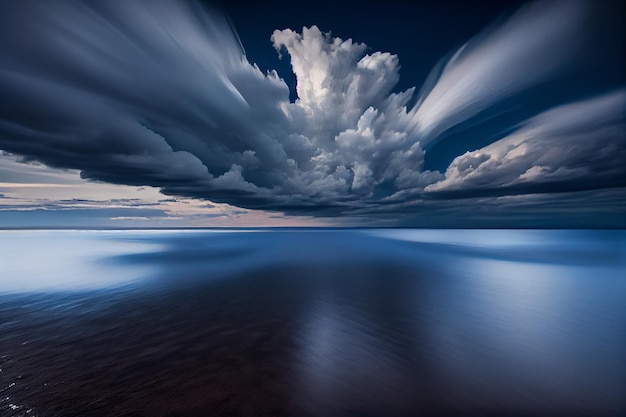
(445, 114)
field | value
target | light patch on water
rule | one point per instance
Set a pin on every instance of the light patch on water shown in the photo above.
(596, 240)
(39, 261)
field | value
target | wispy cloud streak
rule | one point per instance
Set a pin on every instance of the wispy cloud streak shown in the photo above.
(537, 43)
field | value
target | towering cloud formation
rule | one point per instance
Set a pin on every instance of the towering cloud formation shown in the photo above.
(160, 93)
(354, 128)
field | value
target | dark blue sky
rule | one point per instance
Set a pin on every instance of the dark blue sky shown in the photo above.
(421, 33)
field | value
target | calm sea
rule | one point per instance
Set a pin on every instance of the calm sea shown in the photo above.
(380, 322)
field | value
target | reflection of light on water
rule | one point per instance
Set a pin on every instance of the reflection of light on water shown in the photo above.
(66, 260)
(518, 311)
(343, 360)
(527, 293)
(325, 356)
(483, 238)
(549, 327)
(8, 403)
(500, 238)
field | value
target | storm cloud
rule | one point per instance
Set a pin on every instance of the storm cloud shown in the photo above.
(161, 94)
(576, 146)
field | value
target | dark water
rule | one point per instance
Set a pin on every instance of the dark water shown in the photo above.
(312, 323)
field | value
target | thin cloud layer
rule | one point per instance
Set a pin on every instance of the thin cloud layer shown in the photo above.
(161, 94)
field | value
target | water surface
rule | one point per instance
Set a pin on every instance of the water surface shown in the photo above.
(306, 322)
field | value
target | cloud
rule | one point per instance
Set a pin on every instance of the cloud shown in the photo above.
(543, 40)
(161, 94)
(603, 208)
(74, 217)
(577, 146)
(131, 92)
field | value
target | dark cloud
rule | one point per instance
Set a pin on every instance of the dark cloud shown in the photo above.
(575, 209)
(126, 202)
(579, 146)
(161, 94)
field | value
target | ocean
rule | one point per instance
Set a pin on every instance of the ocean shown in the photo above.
(312, 322)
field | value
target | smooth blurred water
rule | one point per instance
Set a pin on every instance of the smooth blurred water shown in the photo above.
(312, 322)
